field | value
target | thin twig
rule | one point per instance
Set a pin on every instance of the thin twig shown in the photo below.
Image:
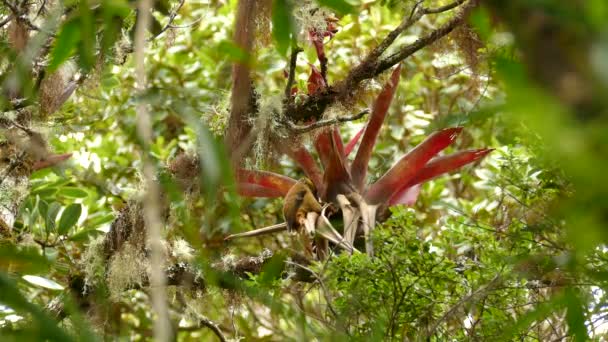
(318, 277)
(443, 8)
(322, 123)
(6, 20)
(171, 18)
(40, 9)
(432, 37)
(23, 17)
(292, 72)
(257, 232)
(488, 287)
(194, 22)
(414, 16)
(204, 321)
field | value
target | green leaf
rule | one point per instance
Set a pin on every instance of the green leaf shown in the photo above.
(22, 259)
(282, 26)
(72, 192)
(69, 218)
(96, 219)
(51, 216)
(233, 52)
(84, 234)
(65, 43)
(575, 316)
(42, 282)
(44, 327)
(46, 192)
(339, 6)
(86, 45)
(110, 82)
(43, 208)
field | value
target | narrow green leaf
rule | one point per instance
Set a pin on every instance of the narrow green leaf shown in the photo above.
(85, 234)
(22, 259)
(96, 220)
(72, 192)
(43, 208)
(86, 46)
(65, 43)
(42, 282)
(339, 6)
(575, 316)
(45, 192)
(51, 216)
(69, 218)
(282, 26)
(45, 327)
(233, 52)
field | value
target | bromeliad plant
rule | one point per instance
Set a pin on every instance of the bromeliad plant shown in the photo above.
(342, 184)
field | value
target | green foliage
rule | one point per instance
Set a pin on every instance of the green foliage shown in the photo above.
(339, 6)
(282, 24)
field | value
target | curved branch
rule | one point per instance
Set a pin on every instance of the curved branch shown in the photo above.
(371, 66)
(432, 37)
(322, 123)
(443, 8)
(170, 22)
(206, 322)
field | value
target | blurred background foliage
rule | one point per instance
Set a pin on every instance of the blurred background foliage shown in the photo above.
(510, 249)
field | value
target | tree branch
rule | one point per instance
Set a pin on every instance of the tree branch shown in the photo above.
(170, 22)
(371, 66)
(292, 70)
(410, 49)
(5, 20)
(414, 16)
(257, 232)
(206, 322)
(443, 8)
(23, 17)
(297, 129)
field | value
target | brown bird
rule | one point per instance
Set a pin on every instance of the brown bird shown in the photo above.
(299, 201)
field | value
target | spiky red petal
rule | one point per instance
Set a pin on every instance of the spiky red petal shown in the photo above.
(266, 179)
(445, 164)
(408, 195)
(409, 165)
(383, 101)
(353, 142)
(253, 190)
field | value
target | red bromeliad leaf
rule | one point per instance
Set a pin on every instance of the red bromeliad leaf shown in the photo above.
(338, 140)
(301, 155)
(337, 176)
(409, 165)
(353, 142)
(447, 164)
(316, 38)
(266, 179)
(323, 146)
(383, 101)
(408, 195)
(253, 190)
(315, 81)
